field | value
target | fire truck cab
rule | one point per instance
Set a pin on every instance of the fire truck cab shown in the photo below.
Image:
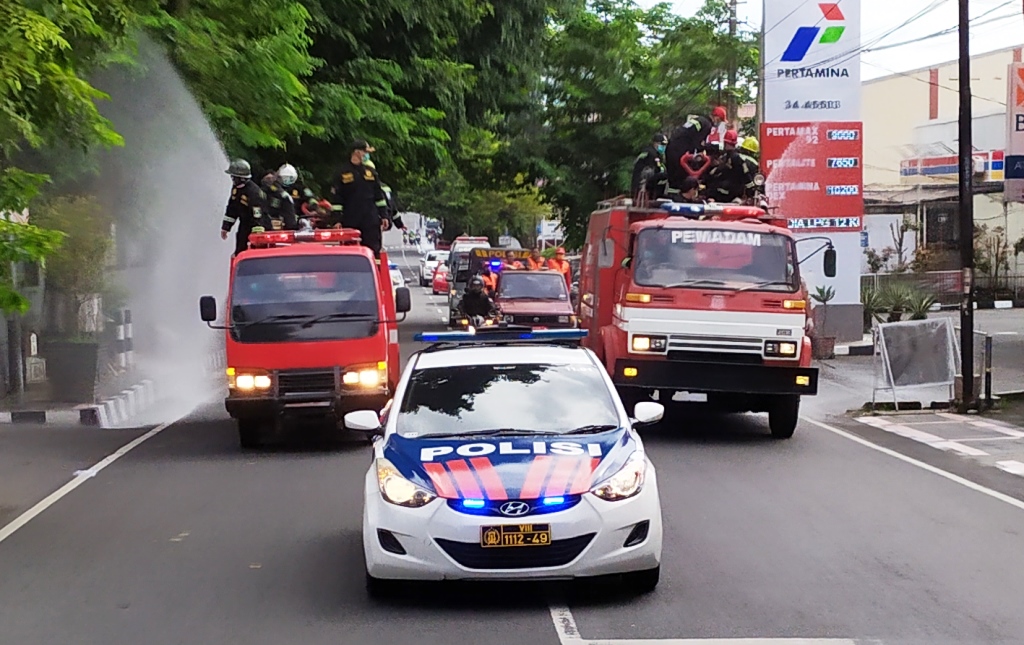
(702, 300)
(310, 332)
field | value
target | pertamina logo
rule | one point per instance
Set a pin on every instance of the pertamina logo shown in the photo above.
(806, 37)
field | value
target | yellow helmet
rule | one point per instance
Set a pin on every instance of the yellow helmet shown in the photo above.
(751, 145)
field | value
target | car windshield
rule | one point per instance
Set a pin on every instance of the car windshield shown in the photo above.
(540, 286)
(715, 259)
(303, 298)
(437, 256)
(534, 398)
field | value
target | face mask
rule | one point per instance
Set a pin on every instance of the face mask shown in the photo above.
(366, 157)
(661, 149)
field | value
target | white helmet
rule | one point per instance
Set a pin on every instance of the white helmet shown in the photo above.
(287, 174)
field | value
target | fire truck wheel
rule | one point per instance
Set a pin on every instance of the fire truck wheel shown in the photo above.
(783, 417)
(250, 433)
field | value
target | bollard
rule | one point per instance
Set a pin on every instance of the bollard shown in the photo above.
(122, 359)
(988, 371)
(129, 348)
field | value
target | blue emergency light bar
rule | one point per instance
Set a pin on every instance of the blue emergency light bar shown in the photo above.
(497, 334)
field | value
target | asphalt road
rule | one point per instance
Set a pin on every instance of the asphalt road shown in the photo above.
(189, 540)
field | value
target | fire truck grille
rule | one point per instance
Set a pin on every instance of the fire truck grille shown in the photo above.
(305, 381)
(715, 344)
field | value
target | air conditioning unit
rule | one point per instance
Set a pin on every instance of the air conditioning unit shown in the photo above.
(979, 165)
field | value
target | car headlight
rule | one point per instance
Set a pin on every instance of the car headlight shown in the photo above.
(649, 343)
(784, 349)
(627, 482)
(248, 380)
(397, 489)
(510, 319)
(374, 375)
(564, 320)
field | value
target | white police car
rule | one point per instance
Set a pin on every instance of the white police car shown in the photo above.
(499, 461)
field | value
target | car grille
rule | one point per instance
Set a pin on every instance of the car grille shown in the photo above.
(305, 381)
(473, 556)
(527, 319)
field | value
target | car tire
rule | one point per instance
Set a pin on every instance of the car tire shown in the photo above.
(250, 434)
(380, 589)
(783, 417)
(643, 582)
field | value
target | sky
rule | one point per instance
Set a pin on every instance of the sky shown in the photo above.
(883, 24)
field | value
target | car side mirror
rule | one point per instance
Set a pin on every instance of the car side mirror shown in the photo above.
(208, 309)
(364, 421)
(403, 300)
(648, 412)
(830, 263)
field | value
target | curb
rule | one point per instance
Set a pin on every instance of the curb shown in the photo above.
(855, 350)
(112, 411)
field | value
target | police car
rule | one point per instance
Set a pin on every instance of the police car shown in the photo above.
(507, 455)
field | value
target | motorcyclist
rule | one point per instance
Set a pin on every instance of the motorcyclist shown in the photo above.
(247, 206)
(733, 176)
(649, 171)
(475, 301)
(303, 198)
(280, 207)
(687, 138)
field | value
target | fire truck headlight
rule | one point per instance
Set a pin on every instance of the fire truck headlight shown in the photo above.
(649, 343)
(261, 381)
(367, 376)
(776, 349)
(248, 380)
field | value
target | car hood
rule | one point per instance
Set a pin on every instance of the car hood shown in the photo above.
(510, 467)
(523, 306)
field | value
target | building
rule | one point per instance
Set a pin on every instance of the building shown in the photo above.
(911, 157)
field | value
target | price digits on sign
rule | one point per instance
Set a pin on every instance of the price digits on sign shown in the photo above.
(814, 105)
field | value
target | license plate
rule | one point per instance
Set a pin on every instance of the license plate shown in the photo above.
(508, 535)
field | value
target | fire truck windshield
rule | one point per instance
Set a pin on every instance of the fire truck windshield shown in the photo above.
(303, 298)
(715, 259)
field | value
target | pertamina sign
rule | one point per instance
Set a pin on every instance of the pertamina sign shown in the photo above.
(1014, 163)
(814, 173)
(812, 60)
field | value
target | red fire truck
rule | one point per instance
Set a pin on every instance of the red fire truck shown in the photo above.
(702, 300)
(311, 331)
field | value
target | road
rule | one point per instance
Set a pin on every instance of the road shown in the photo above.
(188, 540)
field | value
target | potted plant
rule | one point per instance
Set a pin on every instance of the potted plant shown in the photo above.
(920, 305)
(824, 343)
(897, 300)
(874, 306)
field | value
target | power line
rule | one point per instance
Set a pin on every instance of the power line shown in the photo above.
(921, 80)
(976, 22)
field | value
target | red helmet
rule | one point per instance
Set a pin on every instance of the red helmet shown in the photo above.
(731, 138)
(720, 113)
(560, 251)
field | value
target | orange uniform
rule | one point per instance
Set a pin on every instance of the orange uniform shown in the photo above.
(535, 265)
(490, 282)
(563, 267)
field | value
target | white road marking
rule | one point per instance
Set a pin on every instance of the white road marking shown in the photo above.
(961, 448)
(1012, 467)
(81, 477)
(994, 494)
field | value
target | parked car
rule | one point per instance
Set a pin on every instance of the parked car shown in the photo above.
(397, 279)
(439, 283)
(428, 263)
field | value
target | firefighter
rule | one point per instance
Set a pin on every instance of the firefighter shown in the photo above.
(687, 138)
(733, 176)
(689, 192)
(475, 301)
(649, 171)
(303, 198)
(536, 261)
(560, 264)
(247, 206)
(511, 263)
(358, 200)
(280, 207)
(718, 125)
(392, 203)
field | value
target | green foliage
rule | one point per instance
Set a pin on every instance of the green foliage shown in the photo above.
(920, 304)
(824, 295)
(21, 243)
(79, 270)
(874, 306)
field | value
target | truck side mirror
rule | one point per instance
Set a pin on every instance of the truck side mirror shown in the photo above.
(830, 263)
(208, 309)
(627, 262)
(403, 300)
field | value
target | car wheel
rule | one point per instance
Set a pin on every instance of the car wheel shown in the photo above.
(250, 433)
(379, 588)
(783, 417)
(644, 582)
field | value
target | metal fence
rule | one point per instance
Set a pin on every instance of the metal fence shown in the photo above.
(944, 285)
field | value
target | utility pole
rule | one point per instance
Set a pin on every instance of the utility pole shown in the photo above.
(733, 26)
(966, 214)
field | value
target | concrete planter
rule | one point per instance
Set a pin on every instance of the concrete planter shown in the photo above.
(71, 368)
(823, 347)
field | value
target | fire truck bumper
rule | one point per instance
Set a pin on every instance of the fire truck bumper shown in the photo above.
(715, 377)
(308, 407)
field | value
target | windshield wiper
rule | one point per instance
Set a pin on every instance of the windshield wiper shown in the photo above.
(692, 283)
(769, 283)
(593, 429)
(495, 432)
(336, 316)
(282, 318)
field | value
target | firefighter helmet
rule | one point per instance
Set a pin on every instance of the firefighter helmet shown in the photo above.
(288, 174)
(751, 145)
(240, 168)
